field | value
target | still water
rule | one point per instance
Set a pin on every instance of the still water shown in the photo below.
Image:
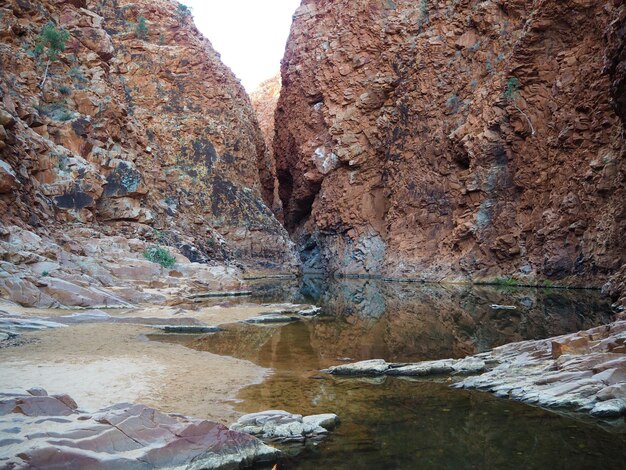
(395, 423)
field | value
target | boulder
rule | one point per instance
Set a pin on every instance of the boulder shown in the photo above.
(8, 179)
(282, 426)
(610, 408)
(369, 367)
(72, 295)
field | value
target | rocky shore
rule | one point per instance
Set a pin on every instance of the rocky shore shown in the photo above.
(584, 371)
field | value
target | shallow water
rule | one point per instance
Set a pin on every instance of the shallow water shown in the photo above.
(397, 423)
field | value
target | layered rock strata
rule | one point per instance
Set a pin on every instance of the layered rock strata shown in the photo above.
(138, 131)
(264, 100)
(121, 436)
(455, 140)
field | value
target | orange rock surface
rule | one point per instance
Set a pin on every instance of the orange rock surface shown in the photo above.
(456, 140)
(132, 130)
(264, 100)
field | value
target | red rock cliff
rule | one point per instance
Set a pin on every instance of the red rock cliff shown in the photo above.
(264, 100)
(136, 126)
(456, 139)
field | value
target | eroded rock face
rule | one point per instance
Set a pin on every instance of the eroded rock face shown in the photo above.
(87, 268)
(121, 436)
(454, 140)
(264, 100)
(133, 128)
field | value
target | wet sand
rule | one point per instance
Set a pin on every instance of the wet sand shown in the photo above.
(103, 364)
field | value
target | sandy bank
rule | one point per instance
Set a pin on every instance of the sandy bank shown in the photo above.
(103, 364)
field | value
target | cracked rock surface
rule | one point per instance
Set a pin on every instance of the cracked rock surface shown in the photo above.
(41, 431)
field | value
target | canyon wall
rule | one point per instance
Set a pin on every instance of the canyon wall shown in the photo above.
(455, 139)
(264, 100)
(139, 129)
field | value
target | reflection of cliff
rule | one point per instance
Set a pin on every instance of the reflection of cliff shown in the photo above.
(397, 322)
(407, 321)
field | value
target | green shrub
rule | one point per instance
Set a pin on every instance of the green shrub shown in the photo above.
(160, 255)
(45, 274)
(141, 30)
(51, 41)
(511, 91)
(183, 10)
(65, 90)
(505, 281)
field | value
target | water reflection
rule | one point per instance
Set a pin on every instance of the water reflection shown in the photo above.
(396, 423)
(400, 321)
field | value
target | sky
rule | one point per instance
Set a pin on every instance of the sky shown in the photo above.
(250, 35)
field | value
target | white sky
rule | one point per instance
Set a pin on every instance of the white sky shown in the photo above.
(250, 35)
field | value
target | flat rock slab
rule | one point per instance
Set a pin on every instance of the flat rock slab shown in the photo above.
(377, 367)
(503, 307)
(282, 426)
(14, 324)
(304, 310)
(284, 313)
(41, 431)
(208, 295)
(187, 329)
(272, 318)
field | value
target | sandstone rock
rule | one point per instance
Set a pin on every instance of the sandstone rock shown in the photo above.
(69, 294)
(264, 100)
(609, 409)
(279, 425)
(121, 436)
(369, 367)
(8, 178)
(559, 372)
(326, 420)
(83, 143)
(460, 152)
(272, 318)
(6, 119)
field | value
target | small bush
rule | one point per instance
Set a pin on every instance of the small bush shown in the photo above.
(76, 74)
(65, 90)
(160, 255)
(183, 10)
(51, 41)
(141, 30)
(511, 91)
(65, 116)
(45, 274)
(505, 281)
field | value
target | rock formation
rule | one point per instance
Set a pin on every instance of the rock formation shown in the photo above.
(135, 130)
(264, 100)
(121, 436)
(455, 140)
(584, 371)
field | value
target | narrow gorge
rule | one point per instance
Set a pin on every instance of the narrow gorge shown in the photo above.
(407, 249)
